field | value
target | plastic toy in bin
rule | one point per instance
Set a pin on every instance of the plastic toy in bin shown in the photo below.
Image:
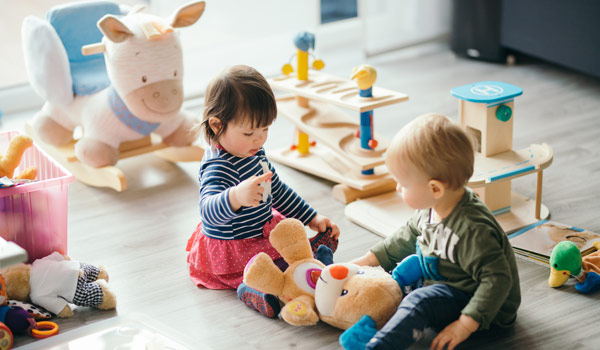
(12, 157)
(33, 215)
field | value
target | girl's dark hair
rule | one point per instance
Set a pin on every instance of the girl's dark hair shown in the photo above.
(238, 92)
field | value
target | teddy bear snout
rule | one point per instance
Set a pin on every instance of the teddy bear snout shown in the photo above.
(339, 272)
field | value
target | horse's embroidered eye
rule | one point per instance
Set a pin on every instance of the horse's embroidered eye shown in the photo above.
(360, 272)
(144, 79)
(344, 292)
(175, 73)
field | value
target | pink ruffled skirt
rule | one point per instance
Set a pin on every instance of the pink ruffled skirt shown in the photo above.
(219, 264)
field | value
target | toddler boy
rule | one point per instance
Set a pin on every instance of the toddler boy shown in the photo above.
(469, 270)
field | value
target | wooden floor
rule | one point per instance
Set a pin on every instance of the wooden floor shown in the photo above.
(140, 235)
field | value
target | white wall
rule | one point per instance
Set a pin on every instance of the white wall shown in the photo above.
(392, 24)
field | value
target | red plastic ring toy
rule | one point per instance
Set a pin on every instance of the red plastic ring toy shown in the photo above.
(45, 329)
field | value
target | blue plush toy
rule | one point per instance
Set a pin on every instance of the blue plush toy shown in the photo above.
(407, 273)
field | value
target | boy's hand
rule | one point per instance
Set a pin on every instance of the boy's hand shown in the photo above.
(455, 333)
(320, 223)
(248, 193)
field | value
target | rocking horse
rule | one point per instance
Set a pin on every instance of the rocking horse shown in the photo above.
(127, 101)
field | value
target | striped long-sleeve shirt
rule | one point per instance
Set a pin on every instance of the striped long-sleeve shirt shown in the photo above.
(219, 172)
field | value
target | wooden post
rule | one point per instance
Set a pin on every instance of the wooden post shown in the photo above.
(538, 195)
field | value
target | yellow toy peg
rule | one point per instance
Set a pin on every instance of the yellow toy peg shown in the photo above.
(10, 161)
(287, 69)
(318, 64)
(303, 146)
(364, 75)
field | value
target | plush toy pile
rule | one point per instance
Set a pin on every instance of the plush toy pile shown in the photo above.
(55, 281)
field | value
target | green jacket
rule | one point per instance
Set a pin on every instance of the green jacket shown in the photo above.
(473, 255)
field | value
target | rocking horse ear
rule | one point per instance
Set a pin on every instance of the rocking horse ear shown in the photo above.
(112, 28)
(187, 14)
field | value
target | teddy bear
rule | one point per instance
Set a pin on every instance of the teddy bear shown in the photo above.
(347, 292)
(338, 294)
(296, 286)
(55, 281)
(11, 159)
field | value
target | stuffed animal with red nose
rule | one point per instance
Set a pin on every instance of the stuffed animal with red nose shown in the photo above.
(296, 286)
(346, 292)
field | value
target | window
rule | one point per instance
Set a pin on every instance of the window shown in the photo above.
(336, 10)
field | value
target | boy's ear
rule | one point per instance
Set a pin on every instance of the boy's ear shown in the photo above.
(437, 188)
(215, 124)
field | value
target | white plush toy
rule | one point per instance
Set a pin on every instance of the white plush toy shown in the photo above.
(144, 65)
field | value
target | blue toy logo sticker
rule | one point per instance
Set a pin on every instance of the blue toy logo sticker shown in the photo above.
(486, 90)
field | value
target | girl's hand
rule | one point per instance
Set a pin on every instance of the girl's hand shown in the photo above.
(320, 223)
(248, 193)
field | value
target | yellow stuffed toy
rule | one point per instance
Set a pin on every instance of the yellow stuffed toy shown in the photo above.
(296, 285)
(339, 294)
(10, 161)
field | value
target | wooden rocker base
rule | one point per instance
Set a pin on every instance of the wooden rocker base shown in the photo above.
(386, 213)
(111, 176)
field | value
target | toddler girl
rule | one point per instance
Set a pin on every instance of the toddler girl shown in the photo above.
(236, 218)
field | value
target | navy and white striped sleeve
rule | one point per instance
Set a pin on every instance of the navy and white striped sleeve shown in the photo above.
(288, 202)
(216, 180)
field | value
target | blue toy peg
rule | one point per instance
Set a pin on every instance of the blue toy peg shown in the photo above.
(304, 41)
(365, 76)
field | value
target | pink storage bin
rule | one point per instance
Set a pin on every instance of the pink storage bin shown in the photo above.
(34, 215)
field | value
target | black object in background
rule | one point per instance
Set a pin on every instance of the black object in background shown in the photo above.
(558, 31)
(475, 29)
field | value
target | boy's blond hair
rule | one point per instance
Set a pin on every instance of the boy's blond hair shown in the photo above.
(436, 146)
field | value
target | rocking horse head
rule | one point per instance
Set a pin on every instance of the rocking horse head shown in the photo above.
(144, 60)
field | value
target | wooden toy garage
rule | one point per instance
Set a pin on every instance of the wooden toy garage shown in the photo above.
(486, 109)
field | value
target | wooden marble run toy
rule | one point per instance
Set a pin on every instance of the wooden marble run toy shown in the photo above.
(347, 152)
(486, 110)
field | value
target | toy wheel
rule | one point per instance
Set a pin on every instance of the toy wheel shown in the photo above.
(45, 329)
(318, 64)
(6, 337)
(287, 69)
